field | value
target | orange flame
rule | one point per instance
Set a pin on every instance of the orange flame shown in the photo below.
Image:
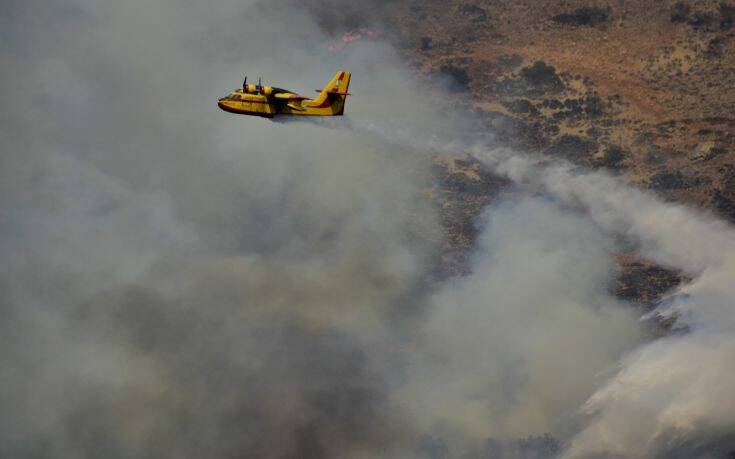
(352, 36)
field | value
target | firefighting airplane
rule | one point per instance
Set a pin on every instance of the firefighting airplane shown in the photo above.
(267, 101)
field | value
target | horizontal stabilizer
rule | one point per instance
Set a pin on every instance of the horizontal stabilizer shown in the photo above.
(334, 92)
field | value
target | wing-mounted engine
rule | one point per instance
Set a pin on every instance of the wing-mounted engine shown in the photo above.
(257, 89)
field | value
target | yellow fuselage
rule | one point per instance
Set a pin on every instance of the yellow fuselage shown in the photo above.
(259, 105)
(268, 102)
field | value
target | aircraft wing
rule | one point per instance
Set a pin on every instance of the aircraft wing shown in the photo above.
(291, 100)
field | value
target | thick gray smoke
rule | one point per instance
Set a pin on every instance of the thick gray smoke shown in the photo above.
(670, 397)
(180, 282)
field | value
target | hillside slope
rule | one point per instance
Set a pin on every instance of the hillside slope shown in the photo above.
(644, 89)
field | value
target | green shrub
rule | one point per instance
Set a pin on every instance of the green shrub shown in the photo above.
(702, 19)
(459, 80)
(586, 16)
(510, 61)
(727, 15)
(681, 12)
(541, 74)
(521, 106)
(475, 12)
(613, 156)
(425, 43)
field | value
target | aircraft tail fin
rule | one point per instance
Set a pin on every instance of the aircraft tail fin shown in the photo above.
(339, 84)
(334, 93)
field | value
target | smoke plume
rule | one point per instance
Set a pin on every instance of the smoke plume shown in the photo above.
(668, 398)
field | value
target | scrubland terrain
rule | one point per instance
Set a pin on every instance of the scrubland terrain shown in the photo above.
(645, 89)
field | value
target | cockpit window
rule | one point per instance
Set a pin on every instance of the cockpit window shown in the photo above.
(232, 96)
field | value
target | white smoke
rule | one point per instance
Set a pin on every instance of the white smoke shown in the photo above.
(513, 347)
(670, 397)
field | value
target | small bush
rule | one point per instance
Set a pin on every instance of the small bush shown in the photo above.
(613, 156)
(425, 43)
(459, 79)
(418, 12)
(551, 129)
(475, 12)
(521, 106)
(681, 12)
(723, 203)
(586, 16)
(727, 15)
(702, 19)
(572, 147)
(714, 152)
(553, 104)
(715, 47)
(510, 61)
(593, 105)
(673, 181)
(541, 74)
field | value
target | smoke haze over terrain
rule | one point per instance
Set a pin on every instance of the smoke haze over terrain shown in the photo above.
(179, 282)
